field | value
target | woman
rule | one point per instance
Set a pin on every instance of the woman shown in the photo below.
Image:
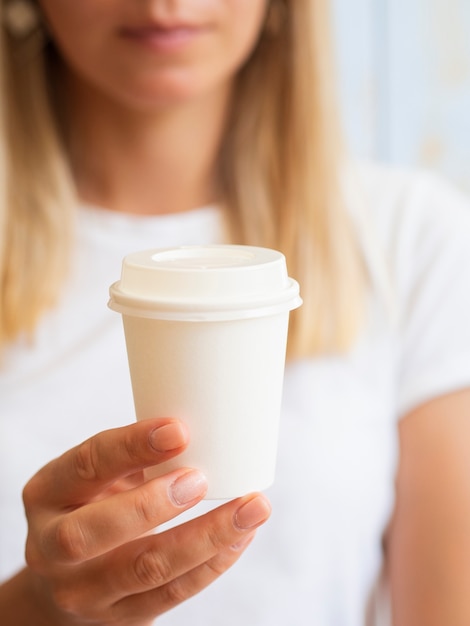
(131, 125)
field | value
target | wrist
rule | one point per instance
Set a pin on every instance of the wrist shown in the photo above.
(23, 602)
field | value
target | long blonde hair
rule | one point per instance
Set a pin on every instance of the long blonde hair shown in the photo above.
(36, 196)
(280, 173)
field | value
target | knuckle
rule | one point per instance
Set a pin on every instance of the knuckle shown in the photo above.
(63, 598)
(131, 450)
(85, 460)
(70, 541)
(27, 495)
(146, 507)
(219, 564)
(30, 493)
(33, 556)
(175, 593)
(151, 569)
(67, 599)
(217, 539)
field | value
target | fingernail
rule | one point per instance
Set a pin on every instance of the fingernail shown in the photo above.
(188, 487)
(252, 513)
(168, 437)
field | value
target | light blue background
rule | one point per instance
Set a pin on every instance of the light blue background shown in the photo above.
(404, 81)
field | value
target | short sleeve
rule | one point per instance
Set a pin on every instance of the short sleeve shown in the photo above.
(432, 270)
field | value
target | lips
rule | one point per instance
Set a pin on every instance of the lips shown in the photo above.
(163, 37)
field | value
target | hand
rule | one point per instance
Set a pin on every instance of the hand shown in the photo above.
(89, 551)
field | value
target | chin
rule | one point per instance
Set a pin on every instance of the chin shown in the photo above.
(149, 91)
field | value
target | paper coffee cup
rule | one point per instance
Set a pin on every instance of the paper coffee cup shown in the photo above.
(206, 333)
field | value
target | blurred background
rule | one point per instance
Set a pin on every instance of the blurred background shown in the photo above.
(404, 82)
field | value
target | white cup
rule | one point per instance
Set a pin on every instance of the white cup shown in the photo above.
(206, 332)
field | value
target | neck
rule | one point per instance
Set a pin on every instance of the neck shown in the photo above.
(161, 161)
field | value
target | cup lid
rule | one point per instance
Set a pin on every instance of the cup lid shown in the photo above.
(199, 283)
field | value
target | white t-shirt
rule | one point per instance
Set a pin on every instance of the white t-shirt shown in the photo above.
(318, 559)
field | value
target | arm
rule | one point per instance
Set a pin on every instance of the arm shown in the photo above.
(90, 556)
(428, 545)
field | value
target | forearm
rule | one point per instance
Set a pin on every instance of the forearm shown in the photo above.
(429, 539)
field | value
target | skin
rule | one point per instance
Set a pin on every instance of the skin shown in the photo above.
(143, 132)
(428, 545)
(90, 556)
(144, 119)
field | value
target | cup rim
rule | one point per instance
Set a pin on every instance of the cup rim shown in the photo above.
(190, 309)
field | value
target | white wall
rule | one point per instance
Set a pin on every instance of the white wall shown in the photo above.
(404, 75)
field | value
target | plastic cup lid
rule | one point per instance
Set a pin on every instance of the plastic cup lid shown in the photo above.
(199, 283)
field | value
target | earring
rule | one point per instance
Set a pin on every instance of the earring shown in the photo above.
(275, 17)
(21, 18)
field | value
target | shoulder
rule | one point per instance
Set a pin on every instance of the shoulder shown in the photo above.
(416, 226)
(416, 202)
(412, 221)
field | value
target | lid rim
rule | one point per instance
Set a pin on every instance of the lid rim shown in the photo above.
(205, 315)
(290, 292)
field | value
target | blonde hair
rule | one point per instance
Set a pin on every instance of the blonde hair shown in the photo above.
(279, 168)
(36, 197)
(282, 167)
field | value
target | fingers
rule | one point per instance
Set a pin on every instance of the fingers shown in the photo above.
(185, 560)
(149, 576)
(104, 525)
(163, 599)
(83, 472)
(118, 575)
(166, 556)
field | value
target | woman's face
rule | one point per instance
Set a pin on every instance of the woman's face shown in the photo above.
(148, 53)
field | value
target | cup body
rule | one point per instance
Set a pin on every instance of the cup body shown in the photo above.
(206, 334)
(224, 380)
